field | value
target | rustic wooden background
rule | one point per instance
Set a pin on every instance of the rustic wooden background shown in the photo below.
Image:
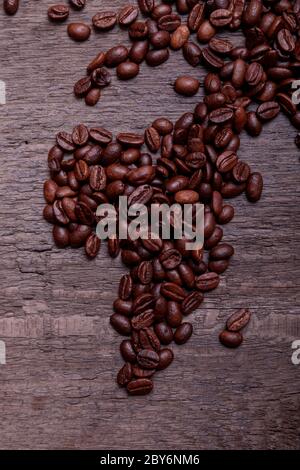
(58, 387)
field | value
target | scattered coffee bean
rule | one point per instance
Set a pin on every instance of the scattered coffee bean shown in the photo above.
(79, 31)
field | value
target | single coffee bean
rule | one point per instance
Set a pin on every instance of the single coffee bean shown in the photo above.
(138, 51)
(125, 287)
(143, 320)
(221, 115)
(50, 188)
(96, 63)
(218, 266)
(207, 282)
(80, 135)
(179, 37)
(101, 77)
(220, 18)
(226, 214)
(191, 302)
(104, 21)
(186, 85)
(174, 314)
(145, 272)
(77, 4)
(230, 339)
(127, 15)
(127, 70)
(253, 125)
(142, 303)
(205, 32)
(164, 333)
(214, 239)
(125, 375)
(79, 31)
(241, 172)
(166, 357)
(169, 22)
(139, 372)
(148, 339)
(152, 139)
(187, 196)
(221, 46)
(160, 39)
(56, 13)
(146, 6)
(148, 359)
(124, 307)
(163, 126)
(254, 187)
(127, 351)
(221, 251)
(211, 59)
(61, 236)
(226, 161)
(116, 55)
(170, 259)
(121, 324)
(268, 110)
(79, 235)
(157, 57)
(92, 246)
(238, 320)
(196, 16)
(82, 87)
(192, 53)
(140, 387)
(183, 333)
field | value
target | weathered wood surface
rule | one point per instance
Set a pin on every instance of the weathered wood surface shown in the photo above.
(58, 387)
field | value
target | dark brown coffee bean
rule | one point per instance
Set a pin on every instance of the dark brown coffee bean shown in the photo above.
(140, 176)
(124, 307)
(207, 282)
(56, 13)
(77, 4)
(48, 214)
(84, 214)
(59, 213)
(214, 239)
(80, 135)
(50, 188)
(179, 37)
(211, 59)
(187, 196)
(174, 314)
(101, 77)
(166, 357)
(82, 87)
(192, 53)
(148, 359)
(79, 31)
(221, 115)
(268, 110)
(169, 22)
(138, 30)
(220, 18)
(254, 74)
(164, 333)
(128, 15)
(127, 351)
(125, 287)
(238, 320)
(104, 21)
(286, 41)
(152, 139)
(221, 251)
(172, 291)
(160, 39)
(142, 373)
(65, 141)
(241, 172)
(170, 259)
(205, 32)
(254, 187)
(253, 125)
(230, 339)
(183, 333)
(138, 51)
(153, 245)
(130, 140)
(226, 214)
(252, 12)
(140, 387)
(92, 246)
(149, 340)
(196, 16)
(226, 161)
(121, 324)
(163, 126)
(116, 55)
(61, 236)
(286, 104)
(218, 266)
(157, 57)
(186, 85)
(97, 62)
(220, 46)
(191, 302)
(125, 375)
(79, 235)
(142, 303)
(146, 6)
(145, 272)
(143, 320)
(81, 170)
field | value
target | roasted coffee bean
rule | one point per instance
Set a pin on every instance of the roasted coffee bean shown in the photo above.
(152, 139)
(221, 115)
(226, 161)
(147, 359)
(169, 22)
(145, 272)
(79, 235)
(238, 320)
(164, 333)
(138, 30)
(101, 77)
(221, 251)
(268, 110)
(96, 63)
(172, 291)
(92, 246)
(79, 31)
(128, 15)
(143, 320)
(220, 18)
(116, 55)
(170, 259)
(252, 12)
(285, 41)
(127, 351)
(121, 324)
(179, 37)
(254, 187)
(130, 140)
(221, 46)
(163, 126)
(218, 266)
(205, 32)
(125, 375)
(226, 214)
(207, 282)
(191, 302)
(142, 303)
(104, 21)
(65, 141)
(230, 339)
(146, 6)
(127, 70)
(153, 245)
(166, 357)
(241, 172)
(61, 236)
(183, 333)
(138, 51)
(174, 314)
(192, 53)
(124, 307)
(142, 373)
(80, 135)
(140, 387)
(50, 188)
(215, 238)
(125, 287)
(253, 125)
(143, 175)
(157, 57)
(82, 87)
(187, 196)
(77, 4)
(149, 340)
(196, 16)
(211, 59)
(186, 85)
(56, 13)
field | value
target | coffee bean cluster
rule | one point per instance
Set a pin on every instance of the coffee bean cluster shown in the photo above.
(197, 162)
(262, 71)
(231, 336)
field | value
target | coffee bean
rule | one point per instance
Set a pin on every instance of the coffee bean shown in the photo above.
(80, 135)
(226, 161)
(101, 77)
(186, 85)
(77, 4)
(104, 21)
(125, 287)
(254, 187)
(221, 46)
(174, 314)
(253, 125)
(79, 31)
(145, 272)
(187, 196)
(238, 320)
(226, 214)
(211, 59)
(205, 32)
(140, 387)
(61, 236)
(127, 15)
(218, 266)
(97, 62)
(82, 87)
(241, 172)
(132, 140)
(147, 359)
(121, 324)
(163, 126)
(79, 235)
(221, 251)
(142, 303)
(220, 18)
(221, 115)
(125, 375)
(191, 302)
(207, 282)
(196, 16)
(138, 51)
(192, 53)
(183, 333)
(230, 339)
(161, 10)
(127, 351)
(152, 139)
(172, 291)
(142, 373)
(166, 357)
(56, 13)
(92, 246)
(148, 339)
(157, 57)
(143, 320)
(146, 6)
(164, 333)
(267, 111)
(179, 37)
(116, 55)
(160, 39)
(169, 22)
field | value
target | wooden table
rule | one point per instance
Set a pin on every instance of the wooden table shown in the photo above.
(58, 386)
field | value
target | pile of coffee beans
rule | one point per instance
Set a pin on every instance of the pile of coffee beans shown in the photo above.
(262, 71)
(197, 162)
(11, 6)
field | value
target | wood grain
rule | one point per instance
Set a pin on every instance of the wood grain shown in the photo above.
(58, 387)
